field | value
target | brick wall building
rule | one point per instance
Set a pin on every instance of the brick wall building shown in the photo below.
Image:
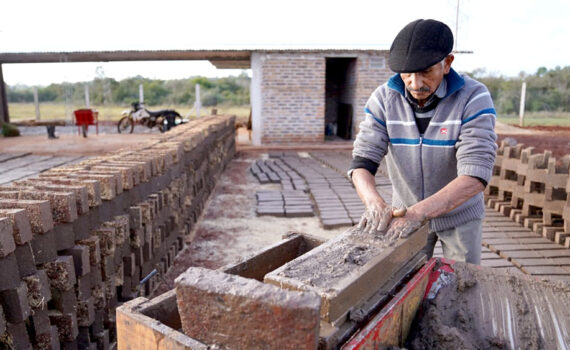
(302, 96)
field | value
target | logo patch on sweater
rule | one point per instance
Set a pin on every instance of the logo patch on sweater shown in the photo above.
(443, 131)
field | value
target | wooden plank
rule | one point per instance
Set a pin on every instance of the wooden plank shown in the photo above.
(496, 263)
(546, 270)
(22, 162)
(7, 156)
(138, 331)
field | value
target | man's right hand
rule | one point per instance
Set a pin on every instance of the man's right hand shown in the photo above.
(376, 218)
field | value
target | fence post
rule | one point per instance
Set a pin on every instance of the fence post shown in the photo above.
(521, 110)
(37, 104)
(198, 102)
(141, 93)
(87, 104)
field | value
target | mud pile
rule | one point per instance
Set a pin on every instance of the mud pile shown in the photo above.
(478, 308)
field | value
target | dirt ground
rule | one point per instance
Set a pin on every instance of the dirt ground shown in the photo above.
(229, 228)
(553, 138)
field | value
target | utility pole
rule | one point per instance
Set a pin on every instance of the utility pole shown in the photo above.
(141, 93)
(456, 25)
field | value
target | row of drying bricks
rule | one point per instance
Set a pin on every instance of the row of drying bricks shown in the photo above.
(81, 282)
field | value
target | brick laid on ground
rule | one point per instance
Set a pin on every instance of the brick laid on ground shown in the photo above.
(232, 311)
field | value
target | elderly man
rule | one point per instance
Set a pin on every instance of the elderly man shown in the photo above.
(436, 130)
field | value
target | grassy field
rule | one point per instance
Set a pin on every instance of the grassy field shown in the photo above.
(538, 119)
(26, 111)
(48, 111)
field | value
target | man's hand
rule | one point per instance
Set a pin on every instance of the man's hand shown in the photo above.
(376, 218)
(405, 224)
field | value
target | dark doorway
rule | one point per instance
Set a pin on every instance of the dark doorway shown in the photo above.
(339, 97)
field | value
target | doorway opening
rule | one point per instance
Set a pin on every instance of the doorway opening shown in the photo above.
(340, 87)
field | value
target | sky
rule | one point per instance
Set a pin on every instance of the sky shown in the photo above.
(505, 36)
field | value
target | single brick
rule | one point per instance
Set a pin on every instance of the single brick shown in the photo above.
(2, 321)
(66, 325)
(39, 293)
(44, 247)
(236, 312)
(63, 204)
(80, 254)
(40, 321)
(85, 312)
(48, 340)
(64, 301)
(15, 303)
(9, 272)
(106, 184)
(39, 212)
(106, 239)
(19, 336)
(83, 287)
(26, 261)
(7, 244)
(61, 273)
(20, 224)
(94, 249)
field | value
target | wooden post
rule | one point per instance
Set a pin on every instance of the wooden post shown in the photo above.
(521, 110)
(37, 104)
(141, 93)
(4, 116)
(198, 102)
(87, 104)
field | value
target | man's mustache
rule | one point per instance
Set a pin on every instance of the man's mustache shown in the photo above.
(422, 89)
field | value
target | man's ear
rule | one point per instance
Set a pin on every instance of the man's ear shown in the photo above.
(447, 66)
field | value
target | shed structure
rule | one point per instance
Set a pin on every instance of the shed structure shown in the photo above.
(297, 95)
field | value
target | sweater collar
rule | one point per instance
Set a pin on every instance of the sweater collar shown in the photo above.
(454, 82)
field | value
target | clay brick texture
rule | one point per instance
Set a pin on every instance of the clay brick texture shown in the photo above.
(293, 92)
(72, 240)
(241, 313)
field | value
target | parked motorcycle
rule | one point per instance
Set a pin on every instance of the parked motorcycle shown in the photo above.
(138, 114)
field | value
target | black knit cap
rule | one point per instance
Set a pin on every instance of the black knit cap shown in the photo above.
(421, 44)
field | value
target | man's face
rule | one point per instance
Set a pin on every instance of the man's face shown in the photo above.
(422, 84)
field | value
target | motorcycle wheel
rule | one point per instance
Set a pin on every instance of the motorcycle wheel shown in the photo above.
(162, 124)
(125, 125)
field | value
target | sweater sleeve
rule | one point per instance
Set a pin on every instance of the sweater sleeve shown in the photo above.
(476, 147)
(371, 143)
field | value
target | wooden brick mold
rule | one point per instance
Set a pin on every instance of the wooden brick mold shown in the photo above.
(207, 307)
(76, 241)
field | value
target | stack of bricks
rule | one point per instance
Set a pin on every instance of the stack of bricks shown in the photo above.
(276, 171)
(533, 189)
(76, 241)
(284, 203)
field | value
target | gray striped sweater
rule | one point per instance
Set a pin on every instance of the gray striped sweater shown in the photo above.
(460, 140)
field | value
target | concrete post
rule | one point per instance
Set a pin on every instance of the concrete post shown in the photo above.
(141, 93)
(521, 110)
(198, 102)
(255, 99)
(4, 117)
(37, 104)
(87, 102)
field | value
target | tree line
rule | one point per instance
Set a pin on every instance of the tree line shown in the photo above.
(213, 91)
(547, 90)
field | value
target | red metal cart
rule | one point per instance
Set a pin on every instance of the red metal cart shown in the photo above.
(84, 118)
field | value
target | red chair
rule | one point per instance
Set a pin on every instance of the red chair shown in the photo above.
(84, 118)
